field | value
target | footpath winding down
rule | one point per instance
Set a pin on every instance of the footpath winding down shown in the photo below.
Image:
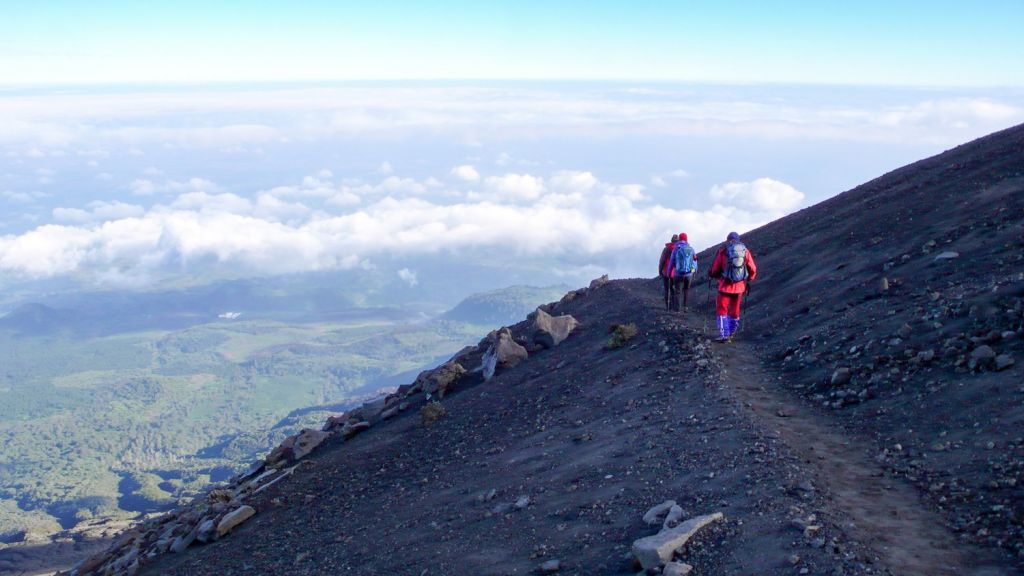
(885, 514)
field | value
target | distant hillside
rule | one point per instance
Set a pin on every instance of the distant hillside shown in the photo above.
(34, 319)
(505, 306)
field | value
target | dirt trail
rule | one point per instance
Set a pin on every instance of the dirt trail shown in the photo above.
(884, 513)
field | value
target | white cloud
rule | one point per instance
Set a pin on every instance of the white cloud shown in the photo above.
(408, 276)
(662, 180)
(515, 186)
(22, 197)
(97, 212)
(574, 216)
(573, 181)
(761, 195)
(397, 184)
(385, 168)
(466, 173)
(142, 187)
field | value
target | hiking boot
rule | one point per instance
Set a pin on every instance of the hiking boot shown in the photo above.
(723, 340)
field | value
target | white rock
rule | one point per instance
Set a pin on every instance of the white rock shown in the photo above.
(234, 518)
(654, 551)
(677, 569)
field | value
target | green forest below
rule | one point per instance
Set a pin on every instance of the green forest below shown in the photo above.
(111, 426)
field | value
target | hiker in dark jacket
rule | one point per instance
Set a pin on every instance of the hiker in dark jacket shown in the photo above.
(666, 271)
(684, 261)
(734, 267)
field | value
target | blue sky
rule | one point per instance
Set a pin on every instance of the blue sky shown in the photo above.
(934, 43)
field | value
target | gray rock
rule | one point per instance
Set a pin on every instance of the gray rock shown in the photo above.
(982, 356)
(439, 380)
(549, 331)
(841, 376)
(677, 569)
(947, 255)
(656, 514)
(207, 530)
(1004, 361)
(234, 518)
(503, 353)
(308, 440)
(522, 502)
(184, 541)
(598, 282)
(389, 413)
(350, 429)
(371, 410)
(675, 515)
(654, 551)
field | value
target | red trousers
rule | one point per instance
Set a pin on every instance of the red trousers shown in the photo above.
(729, 304)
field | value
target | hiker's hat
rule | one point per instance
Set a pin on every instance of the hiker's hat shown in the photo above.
(682, 237)
(733, 236)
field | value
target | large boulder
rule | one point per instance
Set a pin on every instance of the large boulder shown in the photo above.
(441, 379)
(307, 441)
(549, 331)
(295, 447)
(504, 352)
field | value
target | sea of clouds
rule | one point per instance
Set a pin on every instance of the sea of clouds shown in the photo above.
(124, 186)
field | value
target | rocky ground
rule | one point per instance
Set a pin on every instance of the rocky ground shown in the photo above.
(868, 421)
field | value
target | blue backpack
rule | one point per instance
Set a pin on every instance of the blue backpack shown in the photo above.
(735, 262)
(685, 259)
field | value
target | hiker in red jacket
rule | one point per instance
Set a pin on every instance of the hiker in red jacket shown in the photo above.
(734, 267)
(666, 270)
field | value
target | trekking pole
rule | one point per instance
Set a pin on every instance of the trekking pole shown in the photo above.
(707, 308)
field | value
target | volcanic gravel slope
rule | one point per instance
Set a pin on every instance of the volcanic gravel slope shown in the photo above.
(909, 461)
(914, 284)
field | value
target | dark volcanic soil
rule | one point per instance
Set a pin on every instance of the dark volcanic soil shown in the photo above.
(852, 430)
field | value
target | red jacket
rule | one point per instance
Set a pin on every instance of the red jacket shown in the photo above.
(665, 260)
(725, 285)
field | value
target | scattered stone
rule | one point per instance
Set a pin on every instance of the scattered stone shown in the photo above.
(522, 502)
(549, 331)
(207, 531)
(982, 356)
(234, 518)
(657, 514)
(947, 255)
(841, 376)
(389, 413)
(551, 566)
(677, 569)
(431, 412)
(1004, 361)
(350, 429)
(654, 551)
